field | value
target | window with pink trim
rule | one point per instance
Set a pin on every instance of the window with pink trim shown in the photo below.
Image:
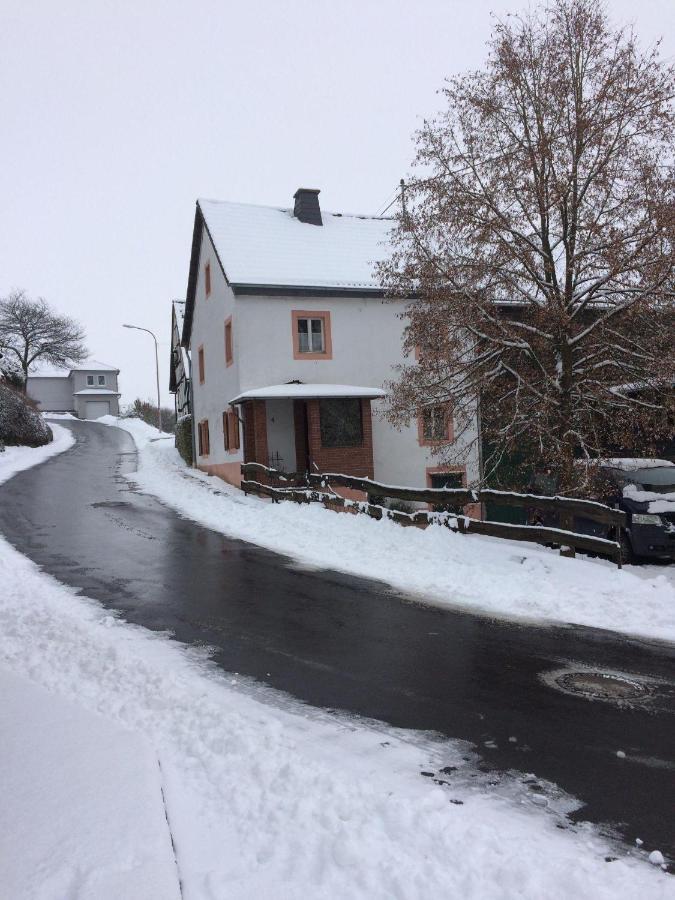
(446, 477)
(231, 431)
(207, 278)
(311, 334)
(434, 425)
(203, 437)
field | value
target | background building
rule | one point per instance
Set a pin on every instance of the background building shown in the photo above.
(88, 390)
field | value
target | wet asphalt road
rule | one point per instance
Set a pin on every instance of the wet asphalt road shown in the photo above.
(346, 643)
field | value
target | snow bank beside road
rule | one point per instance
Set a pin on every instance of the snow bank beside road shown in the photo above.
(266, 803)
(16, 459)
(485, 575)
(142, 433)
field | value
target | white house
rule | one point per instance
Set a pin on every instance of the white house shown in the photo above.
(88, 390)
(292, 344)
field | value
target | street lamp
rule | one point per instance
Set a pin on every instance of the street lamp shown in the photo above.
(159, 408)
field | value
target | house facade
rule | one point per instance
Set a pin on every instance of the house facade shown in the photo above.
(292, 344)
(88, 390)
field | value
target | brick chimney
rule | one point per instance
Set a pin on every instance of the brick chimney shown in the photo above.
(307, 207)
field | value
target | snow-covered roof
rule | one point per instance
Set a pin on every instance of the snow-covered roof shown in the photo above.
(268, 246)
(89, 365)
(95, 391)
(308, 391)
(94, 364)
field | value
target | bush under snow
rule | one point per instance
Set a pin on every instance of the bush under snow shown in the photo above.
(20, 421)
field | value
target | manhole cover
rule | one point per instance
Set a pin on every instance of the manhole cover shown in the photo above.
(622, 688)
(601, 686)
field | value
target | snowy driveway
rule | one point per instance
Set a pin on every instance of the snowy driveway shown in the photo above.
(341, 642)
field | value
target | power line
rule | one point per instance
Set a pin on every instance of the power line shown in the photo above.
(390, 199)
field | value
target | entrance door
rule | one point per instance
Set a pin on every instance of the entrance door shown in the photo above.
(94, 409)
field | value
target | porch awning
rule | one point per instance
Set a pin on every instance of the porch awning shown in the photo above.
(295, 391)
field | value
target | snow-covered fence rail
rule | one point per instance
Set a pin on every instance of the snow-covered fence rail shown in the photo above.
(307, 488)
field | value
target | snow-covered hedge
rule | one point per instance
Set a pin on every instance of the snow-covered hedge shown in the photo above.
(184, 438)
(20, 422)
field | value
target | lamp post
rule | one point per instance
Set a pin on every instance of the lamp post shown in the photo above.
(159, 407)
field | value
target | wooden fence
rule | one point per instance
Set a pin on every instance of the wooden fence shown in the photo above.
(446, 504)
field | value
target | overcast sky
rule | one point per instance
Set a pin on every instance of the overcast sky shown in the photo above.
(117, 115)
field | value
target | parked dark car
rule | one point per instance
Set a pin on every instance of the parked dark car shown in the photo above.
(643, 488)
(646, 493)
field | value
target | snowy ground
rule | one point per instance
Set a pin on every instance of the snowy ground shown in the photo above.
(263, 798)
(485, 575)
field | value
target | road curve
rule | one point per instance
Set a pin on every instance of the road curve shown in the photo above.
(347, 643)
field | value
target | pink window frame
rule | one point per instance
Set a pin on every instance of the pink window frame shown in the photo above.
(231, 437)
(207, 278)
(449, 429)
(327, 337)
(204, 438)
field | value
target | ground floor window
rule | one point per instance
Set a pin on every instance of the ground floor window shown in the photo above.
(231, 430)
(446, 480)
(341, 422)
(203, 437)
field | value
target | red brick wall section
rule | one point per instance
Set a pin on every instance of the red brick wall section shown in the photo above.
(345, 460)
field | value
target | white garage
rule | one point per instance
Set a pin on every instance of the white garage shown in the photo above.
(94, 409)
(92, 403)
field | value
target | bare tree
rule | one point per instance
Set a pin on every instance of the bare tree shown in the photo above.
(30, 331)
(536, 241)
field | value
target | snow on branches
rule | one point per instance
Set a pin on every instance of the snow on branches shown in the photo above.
(536, 244)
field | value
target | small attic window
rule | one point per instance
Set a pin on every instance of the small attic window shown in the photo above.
(207, 278)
